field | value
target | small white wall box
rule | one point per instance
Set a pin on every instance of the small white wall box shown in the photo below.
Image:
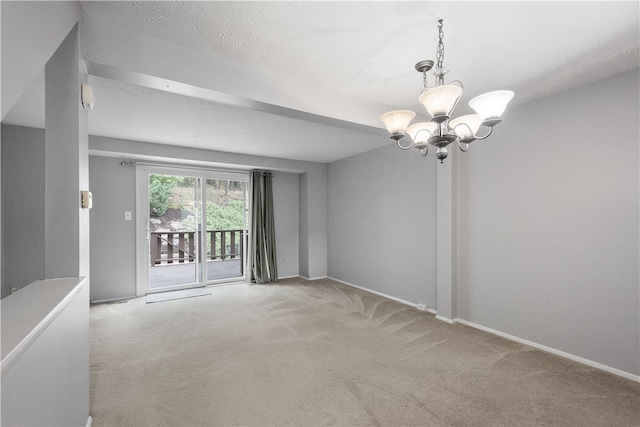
(88, 101)
(85, 199)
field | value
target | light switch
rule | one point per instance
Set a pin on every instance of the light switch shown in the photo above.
(127, 215)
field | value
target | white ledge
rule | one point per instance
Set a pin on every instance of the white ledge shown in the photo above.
(28, 312)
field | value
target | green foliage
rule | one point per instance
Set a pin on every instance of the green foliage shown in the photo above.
(187, 181)
(160, 187)
(225, 207)
(168, 180)
(224, 217)
(227, 217)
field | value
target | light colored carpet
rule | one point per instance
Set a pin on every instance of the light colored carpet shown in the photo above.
(173, 295)
(320, 353)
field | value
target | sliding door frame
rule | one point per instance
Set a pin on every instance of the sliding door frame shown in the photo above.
(142, 216)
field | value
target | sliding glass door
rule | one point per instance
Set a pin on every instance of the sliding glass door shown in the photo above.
(225, 225)
(173, 224)
(195, 228)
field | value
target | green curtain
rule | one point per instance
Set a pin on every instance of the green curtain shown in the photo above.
(261, 254)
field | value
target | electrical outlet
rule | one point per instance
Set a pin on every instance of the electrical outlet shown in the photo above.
(127, 215)
(421, 307)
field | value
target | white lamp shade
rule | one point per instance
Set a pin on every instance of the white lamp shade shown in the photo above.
(466, 126)
(440, 100)
(397, 121)
(421, 132)
(491, 105)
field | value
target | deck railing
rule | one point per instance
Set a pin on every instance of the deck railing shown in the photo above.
(168, 247)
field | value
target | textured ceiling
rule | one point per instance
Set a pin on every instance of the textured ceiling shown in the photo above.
(138, 113)
(369, 48)
(364, 50)
(145, 114)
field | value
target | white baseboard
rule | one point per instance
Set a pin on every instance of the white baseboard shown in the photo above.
(315, 278)
(412, 304)
(560, 353)
(89, 421)
(557, 352)
(290, 277)
(446, 319)
(99, 301)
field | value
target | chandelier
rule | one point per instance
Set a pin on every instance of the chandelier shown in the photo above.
(439, 102)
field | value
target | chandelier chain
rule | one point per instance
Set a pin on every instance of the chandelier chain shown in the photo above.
(440, 50)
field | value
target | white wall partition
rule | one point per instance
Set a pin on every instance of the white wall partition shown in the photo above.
(548, 233)
(45, 354)
(66, 164)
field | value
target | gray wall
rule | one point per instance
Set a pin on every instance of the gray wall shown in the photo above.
(548, 229)
(23, 206)
(285, 201)
(313, 195)
(113, 265)
(1, 222)
(303, 229)
(66, 164)
(382, 223)
(113, 240)
(26, 48)
(316, 221)
(312, 216)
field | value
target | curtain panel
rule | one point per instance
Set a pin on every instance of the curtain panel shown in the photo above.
(261, 253)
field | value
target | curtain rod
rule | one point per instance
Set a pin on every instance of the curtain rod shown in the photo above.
(264, 173)
(179, 166)
(189, 167)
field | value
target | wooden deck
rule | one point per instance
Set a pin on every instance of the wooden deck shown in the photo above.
(161, 276)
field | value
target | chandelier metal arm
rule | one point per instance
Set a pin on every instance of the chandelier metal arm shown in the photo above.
(466, 145)
(420, 145)
(465, 125)
(480, 138)
(402, 147)
(474, 137)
